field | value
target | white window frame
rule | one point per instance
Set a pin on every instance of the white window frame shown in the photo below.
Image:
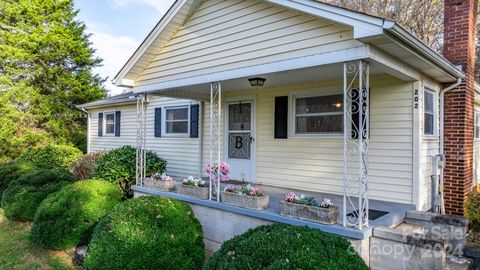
(105, 123)
(164, 121)
(310, 94)
(476, 134)
(435, 112)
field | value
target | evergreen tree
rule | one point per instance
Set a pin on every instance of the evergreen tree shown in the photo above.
(46, 63)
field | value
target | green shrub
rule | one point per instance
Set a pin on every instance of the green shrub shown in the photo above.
(12, 171)
(52, 156)
(23, 196)
(118, 166)
(67, 218)
(83, 167)
(472, 210)
(147, 233)
(281, 246)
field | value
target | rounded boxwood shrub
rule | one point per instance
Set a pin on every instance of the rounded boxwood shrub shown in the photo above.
(472, 210)
(83, 167)
(147, 233)
(52, 156)
(282, 246)
(12, 171)
(67, 218)
(118, 166)
(23, 196)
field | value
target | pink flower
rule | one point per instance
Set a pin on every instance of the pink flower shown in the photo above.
(224, 168)
(291, 197)
(230, 188)
(254, 191)
(224, 178)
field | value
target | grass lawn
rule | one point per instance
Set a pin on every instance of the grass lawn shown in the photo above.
(17, 252)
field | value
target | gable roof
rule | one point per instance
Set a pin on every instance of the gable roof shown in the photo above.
(385, 34)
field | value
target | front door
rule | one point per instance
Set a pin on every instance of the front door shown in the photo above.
(240, 140)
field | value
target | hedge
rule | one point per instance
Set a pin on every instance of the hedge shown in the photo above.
(282, 246)
(83, 167)
(67, 218)
(118, 166)
(147, 233)
(12, 171)
(23, 196)
(472, 210)
(52, 156)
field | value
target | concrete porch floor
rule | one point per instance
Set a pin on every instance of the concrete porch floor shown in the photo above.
(396, 211)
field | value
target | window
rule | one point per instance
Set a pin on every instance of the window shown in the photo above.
(319, 115)
(176, 120)
(429, 109)
(477, 124)
(109, 123)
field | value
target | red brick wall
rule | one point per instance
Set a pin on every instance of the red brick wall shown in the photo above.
(459, 48)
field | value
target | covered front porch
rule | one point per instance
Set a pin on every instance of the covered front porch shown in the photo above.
(349, 171)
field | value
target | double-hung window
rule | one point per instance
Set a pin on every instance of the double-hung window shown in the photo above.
(429, 112)
(109, 123)
(177, 120)
(318, 114)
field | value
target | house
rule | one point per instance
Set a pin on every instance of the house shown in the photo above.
(301, 95)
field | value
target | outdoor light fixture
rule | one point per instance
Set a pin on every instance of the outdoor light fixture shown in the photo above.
(257, 82)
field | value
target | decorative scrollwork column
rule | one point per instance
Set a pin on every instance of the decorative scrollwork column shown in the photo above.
(356, 139)
(141, 138)
(215, 137)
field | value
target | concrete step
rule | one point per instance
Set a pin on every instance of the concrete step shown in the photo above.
(409, 228)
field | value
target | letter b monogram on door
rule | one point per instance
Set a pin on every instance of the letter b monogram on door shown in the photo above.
(238, 142)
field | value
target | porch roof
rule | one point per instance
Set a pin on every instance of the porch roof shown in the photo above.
(396, 211)
(377, 32)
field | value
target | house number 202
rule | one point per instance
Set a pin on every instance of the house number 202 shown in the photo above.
(415, 98)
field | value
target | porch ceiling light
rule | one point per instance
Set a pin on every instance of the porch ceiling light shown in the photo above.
(257, 82)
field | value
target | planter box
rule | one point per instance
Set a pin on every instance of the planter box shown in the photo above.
(159, 185)
(310, 213)
(245, 201)
(198, 192)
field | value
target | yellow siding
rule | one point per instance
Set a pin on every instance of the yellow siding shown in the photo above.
(181, 153)
(316, 163)
(226, 35)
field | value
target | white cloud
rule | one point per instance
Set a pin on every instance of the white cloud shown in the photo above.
(114, 50)
(160, 5)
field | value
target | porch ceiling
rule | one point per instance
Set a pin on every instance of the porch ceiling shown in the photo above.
(332, 72)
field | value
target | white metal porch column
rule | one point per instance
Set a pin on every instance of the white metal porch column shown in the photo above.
(215, 138)
(356, 79)
(141, 139)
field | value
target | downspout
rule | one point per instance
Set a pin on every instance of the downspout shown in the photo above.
(88, 129)
(442, 139)
(200, 138)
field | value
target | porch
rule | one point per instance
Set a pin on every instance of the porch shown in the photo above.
(385, 214)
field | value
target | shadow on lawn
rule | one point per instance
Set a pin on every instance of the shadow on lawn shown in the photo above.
(17, 252)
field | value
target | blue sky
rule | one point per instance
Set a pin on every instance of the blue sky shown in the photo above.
(118, 28)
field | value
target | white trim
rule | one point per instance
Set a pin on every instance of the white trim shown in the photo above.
(332, 57)
(428, 87)
(253, 132)
(105, 134)
(416, 151)
(164, 120)
(392, 65)
(293, 96)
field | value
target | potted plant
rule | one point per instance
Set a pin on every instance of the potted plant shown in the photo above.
(159, 181)
(247, 197)
(194, 187)
(215, 170)
(307, 208)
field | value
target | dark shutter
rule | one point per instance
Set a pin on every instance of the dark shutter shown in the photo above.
(194, 120)
(281, 117)
(356, 114)
(117, 123)
(158, 122)
(100, 124)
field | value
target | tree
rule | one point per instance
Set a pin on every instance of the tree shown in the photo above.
(46, 63)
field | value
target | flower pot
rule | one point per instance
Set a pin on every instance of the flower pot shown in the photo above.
(158, 184)
(310, 213)
(245, 201)
(198, 192)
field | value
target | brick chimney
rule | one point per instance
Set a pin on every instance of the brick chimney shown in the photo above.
(459, 47)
